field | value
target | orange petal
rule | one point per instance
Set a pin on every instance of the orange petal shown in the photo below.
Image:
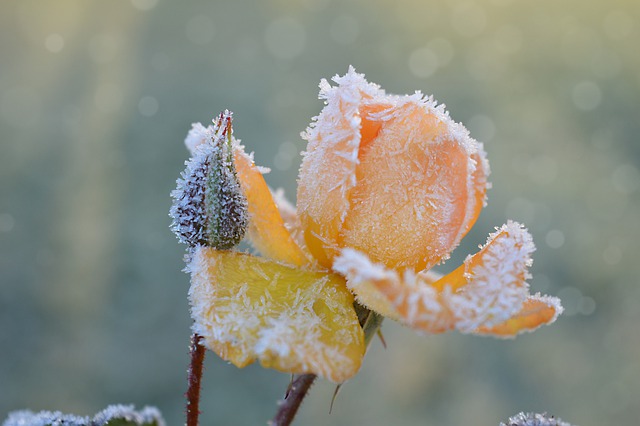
(407, 299)
(267, 231)
(480, 186)
(536, 311)
(293, 320)
(328, 170)
(393, 177)
(485, 292)
(490, 286)
(414, 187)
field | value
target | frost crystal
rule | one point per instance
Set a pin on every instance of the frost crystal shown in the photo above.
(113, 414)
(534, 419)
(210, 208)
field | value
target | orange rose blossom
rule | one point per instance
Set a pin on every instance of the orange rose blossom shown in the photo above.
(388, 187)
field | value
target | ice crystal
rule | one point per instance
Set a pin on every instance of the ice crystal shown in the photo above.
(209, 207)
(534, 419)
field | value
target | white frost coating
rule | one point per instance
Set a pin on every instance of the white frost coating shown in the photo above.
(197, 136)
(209, 206)
(44, 418)
(534, 419)
(453, 132)
(407, 299)
(147, 416)
(496, 288)
(331, 140)
(334, 140)
(270, 318)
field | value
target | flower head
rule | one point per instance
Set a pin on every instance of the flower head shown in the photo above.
(388, 187)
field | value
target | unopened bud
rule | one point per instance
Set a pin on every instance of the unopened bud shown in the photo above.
(210, 208)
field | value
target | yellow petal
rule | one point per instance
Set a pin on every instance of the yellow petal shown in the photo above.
(536, 311)
(267, 231)
(293, 320)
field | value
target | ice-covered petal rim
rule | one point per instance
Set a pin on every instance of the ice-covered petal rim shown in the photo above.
(488, 294)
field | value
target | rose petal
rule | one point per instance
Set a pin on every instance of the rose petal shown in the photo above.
(488, 294)
(328, 170)
(536, 312)
(289, 319)
(267, 232)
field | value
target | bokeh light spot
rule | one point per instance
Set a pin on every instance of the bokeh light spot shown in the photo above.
(586, 95)
(54, 43)
(481, 127)
(423, 62)
(626, 178)
(285, 38)
(148, 106)
(554, 238)
(618, 25)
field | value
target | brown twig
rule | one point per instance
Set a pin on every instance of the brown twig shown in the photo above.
(195, 377)
(296, 392)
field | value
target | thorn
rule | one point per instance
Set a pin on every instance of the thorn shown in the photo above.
(289, 388)
(333, 398)
(381, 337)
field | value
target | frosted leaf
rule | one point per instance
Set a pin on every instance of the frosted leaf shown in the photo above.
(209, 205)
(44, 418)
(124, 415)
(127, 415)
(534, 419)
(248, 308)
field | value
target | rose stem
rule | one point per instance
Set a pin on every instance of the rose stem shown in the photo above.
(194, 378)
(295, 394)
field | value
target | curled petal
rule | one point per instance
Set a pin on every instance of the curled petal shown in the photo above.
(328, 170)
(536, 311)
(267, 231)
(490, 286)
(248, 308)
(488, 294)
(407, 299)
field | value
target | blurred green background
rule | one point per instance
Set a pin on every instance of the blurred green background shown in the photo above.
(97, 97)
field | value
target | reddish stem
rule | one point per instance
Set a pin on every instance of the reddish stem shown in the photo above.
(195, 377)
(295, 394)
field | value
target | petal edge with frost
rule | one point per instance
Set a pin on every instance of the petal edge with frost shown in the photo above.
(488, 294)
(293, 320)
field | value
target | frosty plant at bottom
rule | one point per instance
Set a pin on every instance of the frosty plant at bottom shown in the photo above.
(388, 187)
